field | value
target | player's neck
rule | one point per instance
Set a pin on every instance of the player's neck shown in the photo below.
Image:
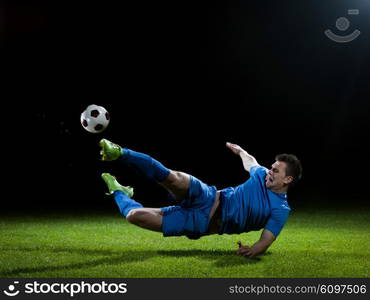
(282, 190)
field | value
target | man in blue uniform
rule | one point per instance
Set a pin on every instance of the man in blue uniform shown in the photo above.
(259, 203)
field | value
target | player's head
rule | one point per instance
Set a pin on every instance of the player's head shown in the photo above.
(284, 173)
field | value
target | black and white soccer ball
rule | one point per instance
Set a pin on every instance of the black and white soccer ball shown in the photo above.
(95, 118)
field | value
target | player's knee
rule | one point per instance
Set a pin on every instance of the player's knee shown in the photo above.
(177, 178)
(135, 216)
(172, 177)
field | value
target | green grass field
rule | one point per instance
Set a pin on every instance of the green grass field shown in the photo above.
(313, 244)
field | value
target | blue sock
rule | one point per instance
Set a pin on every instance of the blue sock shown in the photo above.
(152, 168)
(125, 204)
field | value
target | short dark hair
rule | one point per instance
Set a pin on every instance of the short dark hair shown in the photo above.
(293, 166)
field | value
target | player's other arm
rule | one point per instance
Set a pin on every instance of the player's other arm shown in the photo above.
(265, 241)
(248, 160)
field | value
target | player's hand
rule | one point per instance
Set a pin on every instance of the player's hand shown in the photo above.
(234, 148)
(245, 250)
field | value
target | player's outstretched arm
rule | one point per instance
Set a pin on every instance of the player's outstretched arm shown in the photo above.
(248, 160)
(265, 241)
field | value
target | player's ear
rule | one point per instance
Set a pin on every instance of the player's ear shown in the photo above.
(288, 179)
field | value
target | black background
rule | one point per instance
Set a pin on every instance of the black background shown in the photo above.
(179, 80)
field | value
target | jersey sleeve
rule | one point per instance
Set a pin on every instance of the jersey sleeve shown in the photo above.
(258, 171)
(277, 221)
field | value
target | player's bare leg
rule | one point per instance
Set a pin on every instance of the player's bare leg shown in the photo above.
(148, 218)
(177, 183)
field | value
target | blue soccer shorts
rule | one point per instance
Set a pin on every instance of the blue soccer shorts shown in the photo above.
(191, 217)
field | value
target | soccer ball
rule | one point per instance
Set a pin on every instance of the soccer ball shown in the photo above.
(95, 118)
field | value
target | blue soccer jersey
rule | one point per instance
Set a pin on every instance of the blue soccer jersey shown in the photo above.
(251, 206)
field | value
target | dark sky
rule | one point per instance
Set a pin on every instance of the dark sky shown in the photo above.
(179, 80)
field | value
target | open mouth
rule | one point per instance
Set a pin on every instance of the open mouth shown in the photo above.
(269, 178)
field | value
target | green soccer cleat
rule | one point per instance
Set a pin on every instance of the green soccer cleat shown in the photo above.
(109, 150)
(113, 185)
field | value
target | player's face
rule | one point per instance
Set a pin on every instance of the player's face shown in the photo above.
(276, 178)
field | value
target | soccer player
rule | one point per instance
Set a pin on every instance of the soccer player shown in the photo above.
(260, 202)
